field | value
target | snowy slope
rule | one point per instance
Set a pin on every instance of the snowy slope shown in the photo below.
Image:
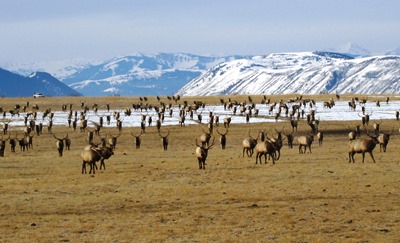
(303, 72)
(139, 74)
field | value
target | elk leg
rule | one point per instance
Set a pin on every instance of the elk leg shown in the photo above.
(372, 156)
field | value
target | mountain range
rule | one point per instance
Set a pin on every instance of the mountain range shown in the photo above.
(300, 72)
(179, 73)
(16, 85)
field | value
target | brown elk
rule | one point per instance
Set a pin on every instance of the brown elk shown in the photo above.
(383, 139)
(305, 141)
(23, 143)
(248, 145)
(202, 153)
(227, 121)
(205, 137)
(91, 154)
(362, 145)
(59, 144)
(277, 143)
(164, 140)
(138, 141)
(67, 142)
(222, 139)
(290, 139)
(265, 148)
(3, 145)
(13, 142)
(320, 136)
(112, 141)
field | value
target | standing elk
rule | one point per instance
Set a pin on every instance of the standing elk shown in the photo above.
(13, 142)
(305, 141)
(320, 136)
(202, 153)
(59, 144)
(222, 139)
(164, 140)
(3, 145)
(290, 139)
(205, 137)
(112, 141)
(383, 139)
(67, 142)
(23, 143)
(362, 145)
(248, 145)
(138, 141)
(265, 148)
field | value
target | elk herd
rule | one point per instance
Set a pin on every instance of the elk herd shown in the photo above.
(290, 113)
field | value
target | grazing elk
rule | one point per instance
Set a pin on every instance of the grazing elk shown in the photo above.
(222, 139)
(164, 140)
(305, 141)
(362, 145)
(138, 140)
(202, 153)
(248, 145)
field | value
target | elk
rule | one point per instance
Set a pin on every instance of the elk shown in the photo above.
(202, 153)
(362, 145)
(106, 153)
(112, 141)
(248, 145)
(30, 140)
(222, 139)
(305, 141)
(3, 145)
(13, 142)
(137, 139)
(277, 143)
(59, 144)
(23, 143)
(205, 137)
(377, 127)
(320, 136)
(67, 142)
(265, 148)
(90, 155)
(383, 139)
(164, 140)
(227, 121)
(290, 139)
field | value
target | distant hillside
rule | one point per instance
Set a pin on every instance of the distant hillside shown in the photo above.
(139, 74)
(302, 73)
(15, 85)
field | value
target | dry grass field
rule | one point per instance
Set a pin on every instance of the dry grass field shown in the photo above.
(151, 195)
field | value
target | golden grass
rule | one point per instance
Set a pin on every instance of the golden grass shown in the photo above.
(151, 195)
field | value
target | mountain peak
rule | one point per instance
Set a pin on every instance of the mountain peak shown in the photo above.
(352, 49)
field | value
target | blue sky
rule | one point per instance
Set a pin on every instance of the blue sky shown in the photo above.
(45, 30)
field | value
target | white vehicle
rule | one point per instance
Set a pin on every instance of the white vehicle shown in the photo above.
(38, 95)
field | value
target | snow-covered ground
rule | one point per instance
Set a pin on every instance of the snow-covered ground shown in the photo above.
(339, 112)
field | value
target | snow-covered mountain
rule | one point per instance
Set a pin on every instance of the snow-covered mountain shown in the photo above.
(16, 85)
(139, 74)
(302, 73)
(394, 52)
(351, 49)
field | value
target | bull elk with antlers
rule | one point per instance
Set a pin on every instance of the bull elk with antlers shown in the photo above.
(202, 153)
